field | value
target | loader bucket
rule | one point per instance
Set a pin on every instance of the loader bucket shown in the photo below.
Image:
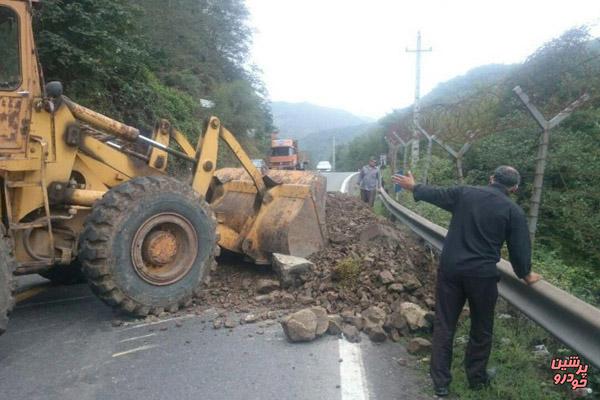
(289, 219)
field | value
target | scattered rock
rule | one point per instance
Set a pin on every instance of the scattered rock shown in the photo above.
(386, 277)
(383, 234)
(338, 238)
(409, 281)
(305, 300)
(300, 326)
(264, 286)
(582, 392)
(217, 323)
(351, 333)
(373, 315)
(396, 322)
(116, 323)
(335, 325)
(289, 269)
(322, 320)
(540, 352)
(376, 333)
(430, 302)
(229, 323)
(414, 316)
(396, 287)
(418, 345)
(250, 318)
(262, 299)
(401, 361)
(395, 335)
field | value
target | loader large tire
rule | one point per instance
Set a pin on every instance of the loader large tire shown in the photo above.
(148, 245)
(7, 281)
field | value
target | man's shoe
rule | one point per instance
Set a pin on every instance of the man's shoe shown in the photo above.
(491, 374)
(442, 391)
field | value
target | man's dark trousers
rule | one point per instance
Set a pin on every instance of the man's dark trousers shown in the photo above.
(368, 196)
(451, 294)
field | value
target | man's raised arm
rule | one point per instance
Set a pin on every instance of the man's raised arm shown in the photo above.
(445, 198)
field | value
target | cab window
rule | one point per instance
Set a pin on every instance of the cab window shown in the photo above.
(282, 151)
(10, 66)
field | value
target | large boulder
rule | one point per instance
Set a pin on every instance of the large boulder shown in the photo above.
(300, 326)
(290, 269)
(414, 315)
(322, 320)
(373, 316)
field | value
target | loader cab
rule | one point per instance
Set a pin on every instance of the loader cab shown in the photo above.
(19, 78)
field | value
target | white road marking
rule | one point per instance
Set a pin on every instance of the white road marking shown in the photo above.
(352, 372)
(137, 338)
(141, 348)
(344, 188)
(43, 303)
(159, 322)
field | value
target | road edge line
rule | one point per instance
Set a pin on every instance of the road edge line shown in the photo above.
(352, 372)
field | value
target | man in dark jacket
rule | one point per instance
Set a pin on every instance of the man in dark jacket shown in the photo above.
(483, 218)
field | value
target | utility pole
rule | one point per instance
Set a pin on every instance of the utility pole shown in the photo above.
(542, 155)
(429, 146)
(333, 166)
(416, 107)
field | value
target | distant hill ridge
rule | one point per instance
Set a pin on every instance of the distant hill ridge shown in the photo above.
(298, 120)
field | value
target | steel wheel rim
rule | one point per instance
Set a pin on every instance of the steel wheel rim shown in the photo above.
(164, 249)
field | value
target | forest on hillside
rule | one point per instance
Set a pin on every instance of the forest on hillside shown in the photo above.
(482, 108)
(141, 61)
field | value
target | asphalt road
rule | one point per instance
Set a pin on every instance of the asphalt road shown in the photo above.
(335, 180)
(61, 345)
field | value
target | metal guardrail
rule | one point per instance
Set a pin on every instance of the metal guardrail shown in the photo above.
(346, 182)
(571, 320)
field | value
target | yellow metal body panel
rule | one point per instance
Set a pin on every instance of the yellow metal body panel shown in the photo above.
(162, 134)
(58, 157)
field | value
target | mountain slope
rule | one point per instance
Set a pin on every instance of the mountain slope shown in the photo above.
(319, 145)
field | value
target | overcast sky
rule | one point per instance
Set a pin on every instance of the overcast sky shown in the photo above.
(350, 54)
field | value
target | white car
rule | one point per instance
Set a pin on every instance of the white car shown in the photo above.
(324, 166)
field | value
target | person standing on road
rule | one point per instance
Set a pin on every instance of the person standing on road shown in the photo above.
(483, 218)
(368, 180)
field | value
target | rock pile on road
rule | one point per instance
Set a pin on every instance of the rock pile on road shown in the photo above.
(372, 278)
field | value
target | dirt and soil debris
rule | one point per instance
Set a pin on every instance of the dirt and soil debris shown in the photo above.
(372, 277)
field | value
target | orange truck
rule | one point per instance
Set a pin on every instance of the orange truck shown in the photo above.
(285, 155)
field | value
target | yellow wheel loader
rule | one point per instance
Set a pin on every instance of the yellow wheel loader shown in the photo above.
(81, 195)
